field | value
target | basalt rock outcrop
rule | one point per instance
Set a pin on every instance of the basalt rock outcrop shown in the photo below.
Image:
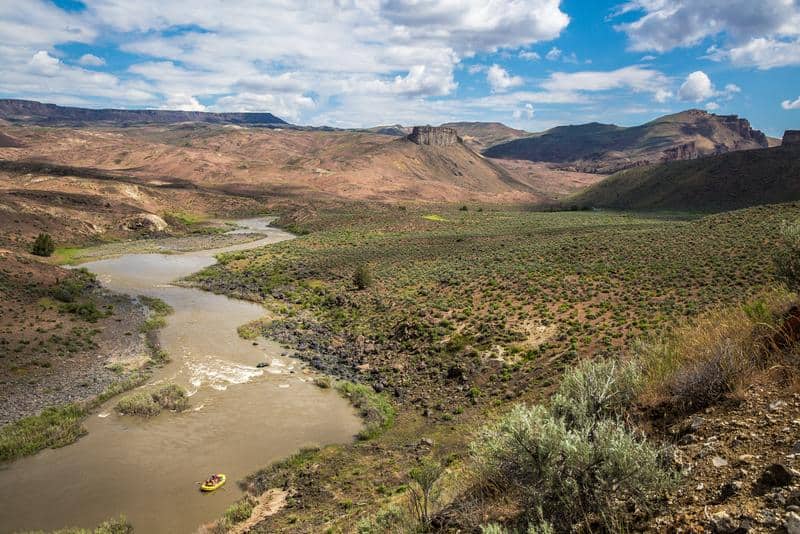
(791, 138)
(741, 127)
(681, 152)
(434, 136)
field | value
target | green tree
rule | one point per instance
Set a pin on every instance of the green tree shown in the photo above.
(43, 246)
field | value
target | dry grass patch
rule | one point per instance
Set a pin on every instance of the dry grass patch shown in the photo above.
(713, 356)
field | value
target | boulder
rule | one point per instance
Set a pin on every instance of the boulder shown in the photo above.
(145, 222)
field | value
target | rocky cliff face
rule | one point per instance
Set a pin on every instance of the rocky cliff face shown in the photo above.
(434, 136)
(681, 152)
(745, 131)
(791, 138)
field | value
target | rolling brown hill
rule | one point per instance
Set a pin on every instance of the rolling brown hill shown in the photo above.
(718, 183)
(275, 163)
(607, 148)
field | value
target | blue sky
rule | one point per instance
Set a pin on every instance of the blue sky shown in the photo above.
(532, 64)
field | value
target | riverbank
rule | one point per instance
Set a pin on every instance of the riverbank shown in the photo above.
(248, 400)
(65, 339)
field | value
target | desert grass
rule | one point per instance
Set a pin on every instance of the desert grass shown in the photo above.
(714, 355)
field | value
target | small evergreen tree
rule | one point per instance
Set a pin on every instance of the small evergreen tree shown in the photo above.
(362, 277)
(43, 246)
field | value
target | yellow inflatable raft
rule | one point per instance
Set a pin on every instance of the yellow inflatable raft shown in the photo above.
(211, 487)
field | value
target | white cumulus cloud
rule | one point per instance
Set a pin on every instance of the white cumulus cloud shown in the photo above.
(91, 60)
(636, 78)
(697, 87)
(500, 80)
(183, 102)
(763, 33)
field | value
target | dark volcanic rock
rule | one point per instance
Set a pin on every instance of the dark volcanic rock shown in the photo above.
(791, 138)
(434, 136)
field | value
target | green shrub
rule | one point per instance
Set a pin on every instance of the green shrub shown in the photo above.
(53, 427)
(140, 403)
(322, 382)
(576, 460)
(375, 408)
(423, 490)
(362, 278)
(85, 310)
(596, 390)
(787, 257)
(77, 282)
(171, 397)
(156, 304)
(239, 511)
(43, 245)
(150, 404)
(157, 319)
(118, 525)
(542, 527)
(392, 520)
(573, 474)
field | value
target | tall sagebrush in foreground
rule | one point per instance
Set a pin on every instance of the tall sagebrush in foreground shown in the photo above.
(787, 257)
(575, 461)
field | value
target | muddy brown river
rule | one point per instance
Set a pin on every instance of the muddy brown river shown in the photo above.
(241, 417)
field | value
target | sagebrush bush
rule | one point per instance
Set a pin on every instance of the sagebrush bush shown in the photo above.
(576, 460)
(596, 389)
(362, 278)
(787, 257)
(573, 474)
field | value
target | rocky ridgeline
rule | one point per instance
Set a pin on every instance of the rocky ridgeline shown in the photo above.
(745, 131)
(791, 138)
(434, 136)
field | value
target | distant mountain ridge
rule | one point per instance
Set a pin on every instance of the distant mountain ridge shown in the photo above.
(31, 112)
(607, 148)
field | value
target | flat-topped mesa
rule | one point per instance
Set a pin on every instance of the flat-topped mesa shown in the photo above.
(791, 138)
(434, 136)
